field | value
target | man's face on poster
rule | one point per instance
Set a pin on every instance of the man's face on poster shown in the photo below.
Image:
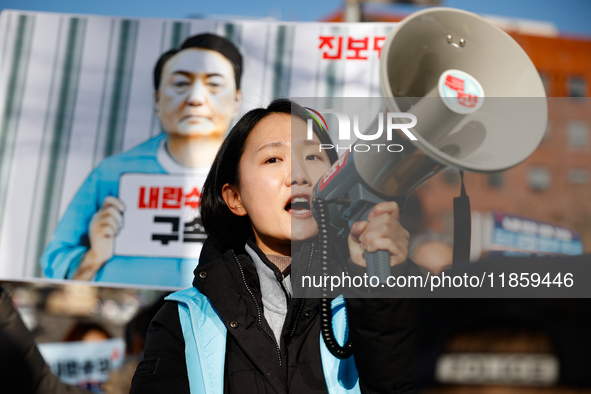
(197, 96)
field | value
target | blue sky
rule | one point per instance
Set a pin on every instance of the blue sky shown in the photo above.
(570, 16)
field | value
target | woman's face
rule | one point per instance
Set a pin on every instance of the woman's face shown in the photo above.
(277, 172)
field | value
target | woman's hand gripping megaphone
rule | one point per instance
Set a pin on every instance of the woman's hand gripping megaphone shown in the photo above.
(367, 219)
(380, 234)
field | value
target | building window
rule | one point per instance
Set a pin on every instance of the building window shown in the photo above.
(578, 176)
(576, 87)
(495, 179)
(539, 178)
(578, 135)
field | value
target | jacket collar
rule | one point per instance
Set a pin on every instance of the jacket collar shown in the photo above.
(231, 284)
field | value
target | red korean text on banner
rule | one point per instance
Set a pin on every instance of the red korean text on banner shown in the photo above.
(328, 41)
(193, 199)
(150, 201)
(378, 43)
(357, 46)
(171, 197)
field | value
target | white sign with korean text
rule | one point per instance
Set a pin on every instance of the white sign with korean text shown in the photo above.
(161, 217)
(84, 364)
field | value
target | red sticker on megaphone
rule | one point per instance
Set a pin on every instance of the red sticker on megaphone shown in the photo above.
(334, 170)
(460, 92)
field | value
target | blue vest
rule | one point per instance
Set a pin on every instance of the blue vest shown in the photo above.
(205, 344)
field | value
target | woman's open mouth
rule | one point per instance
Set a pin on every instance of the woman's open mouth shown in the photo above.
(299, 206)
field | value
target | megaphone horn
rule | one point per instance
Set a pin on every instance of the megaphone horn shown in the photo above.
(480, 106)
(478, 98)
(479, 102)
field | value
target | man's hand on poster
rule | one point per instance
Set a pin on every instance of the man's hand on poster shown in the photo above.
(104, 226)
(382, 231)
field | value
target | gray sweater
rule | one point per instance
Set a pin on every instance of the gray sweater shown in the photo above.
(275, 294)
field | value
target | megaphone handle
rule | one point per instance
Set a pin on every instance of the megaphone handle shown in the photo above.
(378, 264)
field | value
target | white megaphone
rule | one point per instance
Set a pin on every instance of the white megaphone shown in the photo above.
(479, 105)
(478, 100)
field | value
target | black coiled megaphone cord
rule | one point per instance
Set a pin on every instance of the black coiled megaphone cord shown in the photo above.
(322, 218)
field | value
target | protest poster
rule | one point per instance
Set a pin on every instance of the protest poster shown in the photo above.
(84, 364)
(78, 112)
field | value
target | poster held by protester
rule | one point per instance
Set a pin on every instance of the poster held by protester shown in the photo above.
(499, 233)
(84, 364)
(162, 216)
(80, 106)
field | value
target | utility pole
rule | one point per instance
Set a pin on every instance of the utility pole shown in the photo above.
(352, 10)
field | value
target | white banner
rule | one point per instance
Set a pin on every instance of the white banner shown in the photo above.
(78, 109)
(84, 364)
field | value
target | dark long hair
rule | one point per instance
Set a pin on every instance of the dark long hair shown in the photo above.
(227, 230)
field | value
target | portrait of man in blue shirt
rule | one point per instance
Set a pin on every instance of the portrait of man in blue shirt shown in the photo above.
(197, 96)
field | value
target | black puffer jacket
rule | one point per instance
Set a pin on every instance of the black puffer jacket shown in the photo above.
(382, 331)
(22, 367)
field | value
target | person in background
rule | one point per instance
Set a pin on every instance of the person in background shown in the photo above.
(87, 332)
(197, 95)
(135, 340)
(22, 367)
(432, 252)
